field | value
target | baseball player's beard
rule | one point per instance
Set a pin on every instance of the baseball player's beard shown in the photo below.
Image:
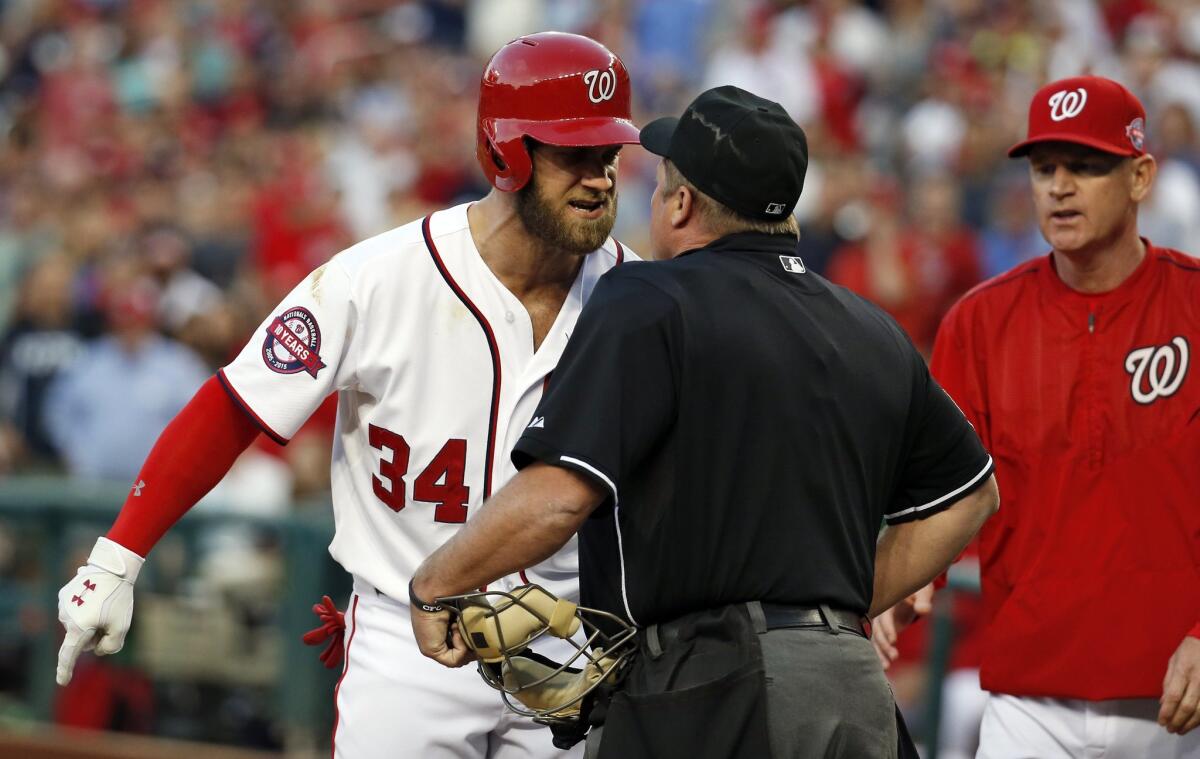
(555, 226)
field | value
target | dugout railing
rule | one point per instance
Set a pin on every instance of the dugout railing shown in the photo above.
(962, 577)
(51, 522)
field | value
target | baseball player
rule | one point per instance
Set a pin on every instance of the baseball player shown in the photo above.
(439, 337)
(1077, 371)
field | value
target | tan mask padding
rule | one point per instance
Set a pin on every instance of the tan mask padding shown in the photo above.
(482, 626)
(565, 687)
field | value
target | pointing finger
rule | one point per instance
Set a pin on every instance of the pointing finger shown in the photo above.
(73, 643)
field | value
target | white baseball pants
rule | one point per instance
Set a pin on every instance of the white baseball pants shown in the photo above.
(392, 702)
(1018, 727)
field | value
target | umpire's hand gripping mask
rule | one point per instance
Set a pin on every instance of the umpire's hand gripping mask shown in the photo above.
(500, 627)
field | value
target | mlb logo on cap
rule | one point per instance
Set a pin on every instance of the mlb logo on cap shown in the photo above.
(1086, 110)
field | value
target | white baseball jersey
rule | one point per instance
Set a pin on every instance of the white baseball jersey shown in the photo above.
(433, 360)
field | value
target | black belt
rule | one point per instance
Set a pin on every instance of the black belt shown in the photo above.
(778, 616)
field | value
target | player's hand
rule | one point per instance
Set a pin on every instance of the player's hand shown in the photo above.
(886, 628)
(96, 606)
(438, 638)
(1180, 703)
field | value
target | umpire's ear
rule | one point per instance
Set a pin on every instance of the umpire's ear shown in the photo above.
(681, 206)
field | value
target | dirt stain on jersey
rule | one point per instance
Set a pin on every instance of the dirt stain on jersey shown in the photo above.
(314, 285)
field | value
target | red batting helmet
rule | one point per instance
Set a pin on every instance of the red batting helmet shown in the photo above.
(560, 89)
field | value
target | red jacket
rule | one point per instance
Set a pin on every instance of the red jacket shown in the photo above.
(1090, 407)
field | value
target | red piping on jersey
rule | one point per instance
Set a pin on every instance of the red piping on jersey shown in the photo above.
(249, 411)
(492, 346)
(337, 688)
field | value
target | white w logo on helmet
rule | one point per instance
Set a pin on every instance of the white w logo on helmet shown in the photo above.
(1067, 104)
(1157, 372)
(602, 85)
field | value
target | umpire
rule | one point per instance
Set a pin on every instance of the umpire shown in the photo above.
(737, 429)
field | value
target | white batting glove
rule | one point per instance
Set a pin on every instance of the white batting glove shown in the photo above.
(96, 606)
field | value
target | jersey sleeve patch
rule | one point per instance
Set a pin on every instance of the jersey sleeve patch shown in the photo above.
(293, 343)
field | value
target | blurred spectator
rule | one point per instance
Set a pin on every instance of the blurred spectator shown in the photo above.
(41, 343)
(912, 27)
(369, 159)
(1154, 74)
(772, 65)
(935, 127)
(1078, 35)
(26, 235)
(913, 269)
(182, 293)
(490, 24)
(950, 249)
(105, 411)
(671, 49)
(296, 224)
(215, 334)
(1175, 135)
(216, 217)
(1172, 213)
(857, 35)
(1010, 236)
(833, 209)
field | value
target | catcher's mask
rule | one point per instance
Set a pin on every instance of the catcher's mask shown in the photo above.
(500, 626)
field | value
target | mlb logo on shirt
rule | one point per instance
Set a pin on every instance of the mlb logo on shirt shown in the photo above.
(792, 264)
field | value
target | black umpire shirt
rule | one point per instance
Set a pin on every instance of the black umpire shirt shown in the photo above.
(755, 425)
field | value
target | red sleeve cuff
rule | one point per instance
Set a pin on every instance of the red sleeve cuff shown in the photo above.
(1195, 631)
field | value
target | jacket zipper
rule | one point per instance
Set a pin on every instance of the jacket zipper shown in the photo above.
(1095, 454)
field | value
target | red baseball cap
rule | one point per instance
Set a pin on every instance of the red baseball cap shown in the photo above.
(1087, 110)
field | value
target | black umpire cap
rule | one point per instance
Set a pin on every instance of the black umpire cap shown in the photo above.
(737, 148)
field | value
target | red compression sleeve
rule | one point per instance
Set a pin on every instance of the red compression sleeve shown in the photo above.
(190, 457)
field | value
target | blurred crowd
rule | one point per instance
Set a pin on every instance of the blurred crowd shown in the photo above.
(169, 169)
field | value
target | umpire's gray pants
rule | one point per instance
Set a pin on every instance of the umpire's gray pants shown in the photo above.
(827, 696)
